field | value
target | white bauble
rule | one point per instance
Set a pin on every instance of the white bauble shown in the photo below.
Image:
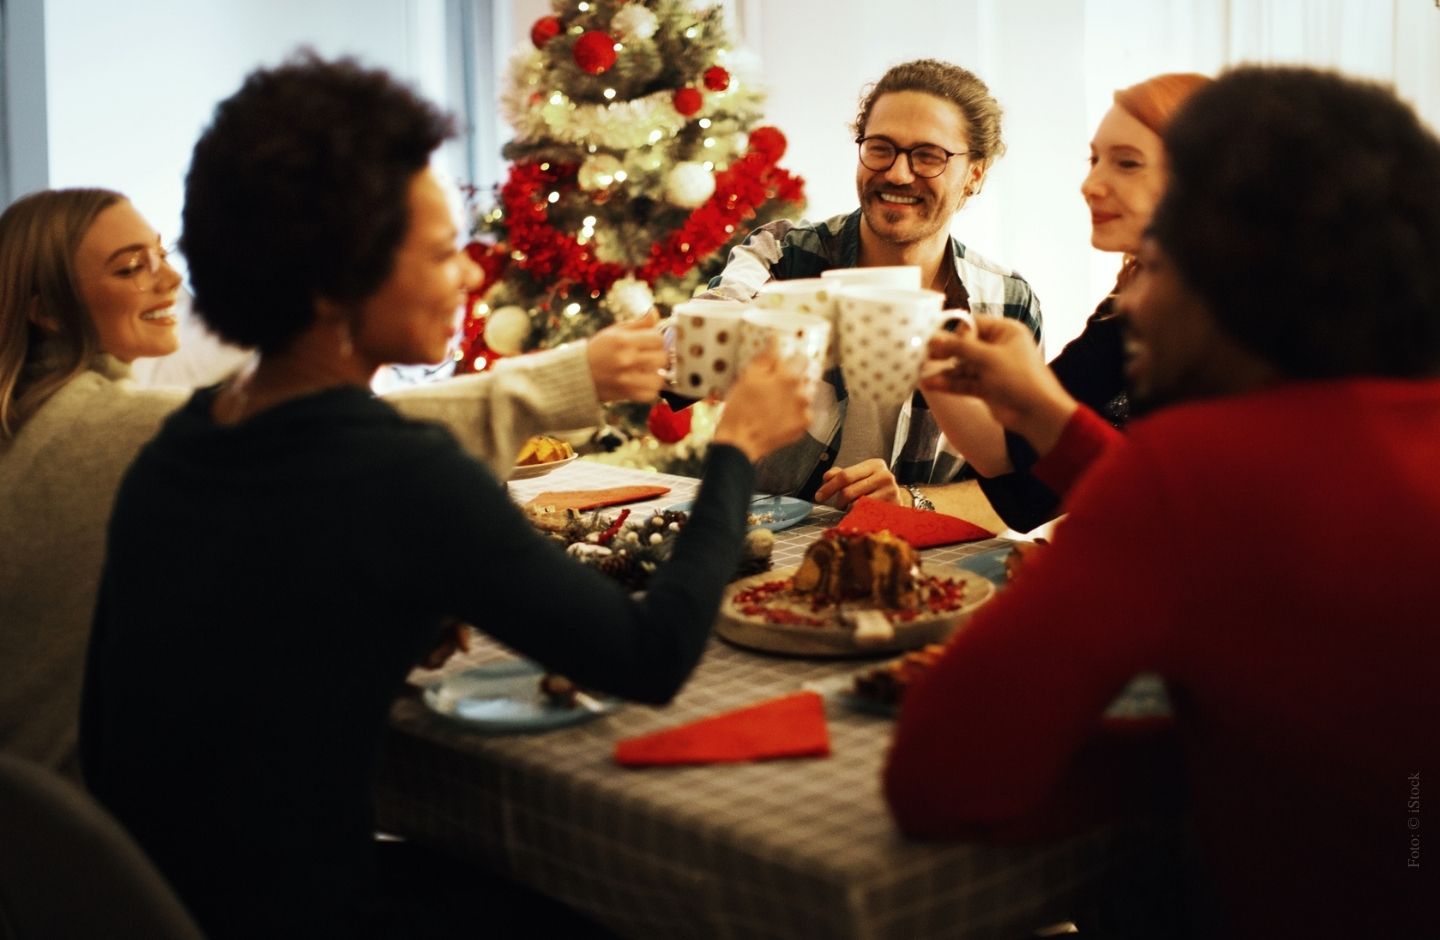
(598, 172)
(689, 184)
(506, 330)
(629, 298)
(634, 21)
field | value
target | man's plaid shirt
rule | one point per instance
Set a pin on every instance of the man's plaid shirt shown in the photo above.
(788, 250)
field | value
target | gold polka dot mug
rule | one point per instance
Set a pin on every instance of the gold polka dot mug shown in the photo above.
(706, 336)
(799, 339)
(883, 335)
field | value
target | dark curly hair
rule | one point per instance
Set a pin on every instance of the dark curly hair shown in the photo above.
(299, 190)
(1304, 208)
(961, 87)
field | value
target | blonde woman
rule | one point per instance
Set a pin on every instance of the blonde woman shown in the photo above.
(85, 291)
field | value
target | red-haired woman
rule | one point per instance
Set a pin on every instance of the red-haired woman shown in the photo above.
(1030, 404)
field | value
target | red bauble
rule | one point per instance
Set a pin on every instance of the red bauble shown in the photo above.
(595, 51)
(668, 425)
(687, 101)
(716, 78)
(545, 29)
(769, 142)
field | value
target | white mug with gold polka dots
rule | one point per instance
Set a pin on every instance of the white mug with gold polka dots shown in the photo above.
(809, 295)
(799, 339)
(883, 335)
(888, 275)
(706, 346)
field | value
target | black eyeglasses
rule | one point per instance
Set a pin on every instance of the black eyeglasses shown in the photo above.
(926, 160)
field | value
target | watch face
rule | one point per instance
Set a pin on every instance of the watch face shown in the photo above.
(919, 500)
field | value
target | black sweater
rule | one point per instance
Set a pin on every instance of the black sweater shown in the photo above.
(268, 587)
(1091, 368)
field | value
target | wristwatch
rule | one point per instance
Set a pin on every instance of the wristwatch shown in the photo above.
(918, 499)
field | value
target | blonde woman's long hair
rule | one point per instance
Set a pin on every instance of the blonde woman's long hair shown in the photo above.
(46, 334)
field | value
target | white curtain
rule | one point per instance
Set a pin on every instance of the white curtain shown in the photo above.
(5, 132)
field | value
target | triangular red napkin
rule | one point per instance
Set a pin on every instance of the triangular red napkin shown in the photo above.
(595, 499)
(790, 726)
(920, 528)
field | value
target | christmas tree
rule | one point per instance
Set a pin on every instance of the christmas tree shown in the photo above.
(636, 165)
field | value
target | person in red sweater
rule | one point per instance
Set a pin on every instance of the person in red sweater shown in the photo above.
(1265, 539)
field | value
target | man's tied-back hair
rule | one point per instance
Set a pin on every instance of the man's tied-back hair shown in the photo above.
(299, 190)
(1304, 208)
(954, 84)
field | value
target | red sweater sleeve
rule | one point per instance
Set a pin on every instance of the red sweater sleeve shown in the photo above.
(1085, 438)
(984, 739)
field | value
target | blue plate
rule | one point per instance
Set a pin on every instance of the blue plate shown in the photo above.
(1144, 699)
(771, 512)
(990, 565)
(505, 698)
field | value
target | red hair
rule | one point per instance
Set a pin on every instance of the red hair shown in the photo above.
(1154, 101)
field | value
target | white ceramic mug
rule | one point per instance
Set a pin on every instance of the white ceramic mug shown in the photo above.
(809, 295)
(707, 346)
(801, 340)
(883, 336)
(898, 275)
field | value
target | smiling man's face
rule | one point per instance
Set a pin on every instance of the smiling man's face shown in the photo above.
(899, 207)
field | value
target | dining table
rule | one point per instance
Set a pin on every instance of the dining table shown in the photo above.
(783, 848)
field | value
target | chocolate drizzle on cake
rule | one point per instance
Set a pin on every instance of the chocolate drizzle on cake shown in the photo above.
(876, 567)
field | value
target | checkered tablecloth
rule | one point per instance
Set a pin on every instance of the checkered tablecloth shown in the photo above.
(782, 849)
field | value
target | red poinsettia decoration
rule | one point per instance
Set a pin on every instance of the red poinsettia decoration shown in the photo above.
(769, 141)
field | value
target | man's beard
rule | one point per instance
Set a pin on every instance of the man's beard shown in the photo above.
(874, 210)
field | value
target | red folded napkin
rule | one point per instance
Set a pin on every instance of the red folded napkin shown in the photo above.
(790, 726)
(920, 528)
(595, 499)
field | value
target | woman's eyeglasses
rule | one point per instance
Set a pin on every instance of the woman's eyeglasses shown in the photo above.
(142, 268)
(926, 160)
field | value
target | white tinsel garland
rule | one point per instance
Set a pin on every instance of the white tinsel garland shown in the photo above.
(598, 172)
(614, 125)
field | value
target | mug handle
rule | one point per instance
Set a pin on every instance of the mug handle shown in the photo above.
(951, 319)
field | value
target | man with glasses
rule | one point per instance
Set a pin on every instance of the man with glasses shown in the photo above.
(927, 133)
